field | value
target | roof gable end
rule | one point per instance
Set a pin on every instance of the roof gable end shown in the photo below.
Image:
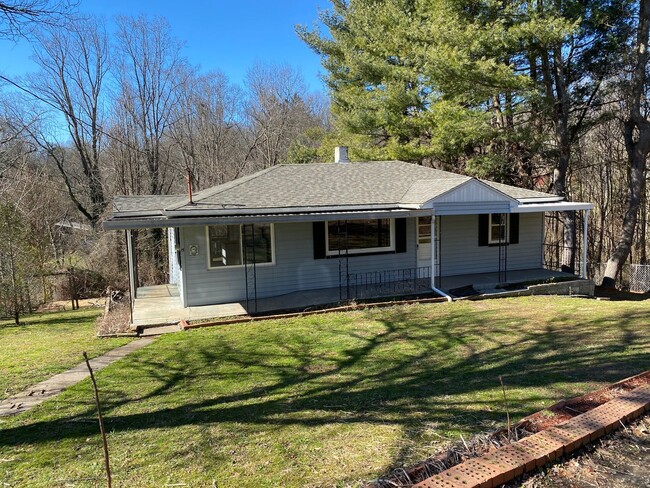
(471, 191)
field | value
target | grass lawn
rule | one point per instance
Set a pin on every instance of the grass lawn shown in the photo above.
(327, 400)
(47, 344)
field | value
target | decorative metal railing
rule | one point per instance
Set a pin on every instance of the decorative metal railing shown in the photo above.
(558, 258)
(374, 284)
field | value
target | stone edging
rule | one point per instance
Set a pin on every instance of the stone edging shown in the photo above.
(508, 462)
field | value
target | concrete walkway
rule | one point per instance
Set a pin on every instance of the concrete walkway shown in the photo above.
(49, 388)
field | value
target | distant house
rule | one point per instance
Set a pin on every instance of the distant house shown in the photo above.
(296, 229)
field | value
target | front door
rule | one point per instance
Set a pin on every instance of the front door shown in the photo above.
(424, 242)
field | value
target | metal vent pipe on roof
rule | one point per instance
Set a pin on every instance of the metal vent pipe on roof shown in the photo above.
(341, 154)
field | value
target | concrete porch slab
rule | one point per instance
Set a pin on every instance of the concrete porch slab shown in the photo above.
(161, 305)
(487, 282)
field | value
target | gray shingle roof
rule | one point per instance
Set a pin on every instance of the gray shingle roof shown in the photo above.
(145, 203)
(318, 185)
(424, 190)
(516, 192)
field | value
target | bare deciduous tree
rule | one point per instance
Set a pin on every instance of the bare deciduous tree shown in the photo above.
(207, 129)
(74, 64)
(279, 110)
(18, 17)
(151, 73)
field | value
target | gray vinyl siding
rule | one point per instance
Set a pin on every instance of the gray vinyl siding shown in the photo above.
(461, 253)
(295, 267)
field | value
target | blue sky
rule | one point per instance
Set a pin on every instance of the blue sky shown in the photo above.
(226, 35)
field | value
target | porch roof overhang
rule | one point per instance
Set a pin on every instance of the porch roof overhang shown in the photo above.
(140, 222)
(552, 207)
(248, 216)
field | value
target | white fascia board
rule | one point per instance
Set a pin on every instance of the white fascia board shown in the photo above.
(552, 207)
(211, 212)
(116, 224)
(540, 200)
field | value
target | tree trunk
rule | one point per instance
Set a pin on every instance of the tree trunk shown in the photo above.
(563, 136)
(622, 249)
(637, 146)
(14, 281)
(643, 256)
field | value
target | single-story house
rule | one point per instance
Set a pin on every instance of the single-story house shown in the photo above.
(350, 228)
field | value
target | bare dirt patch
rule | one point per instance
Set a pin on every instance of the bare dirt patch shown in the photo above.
(61, 305)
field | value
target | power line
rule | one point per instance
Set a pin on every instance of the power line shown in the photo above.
(98, 127)
(41, 180)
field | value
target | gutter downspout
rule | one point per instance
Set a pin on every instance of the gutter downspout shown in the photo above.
(129, 261)
(585, 225)
(433, 260)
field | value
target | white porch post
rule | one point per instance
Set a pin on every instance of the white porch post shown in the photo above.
(433, 251)
(585, 225)
(133, 285)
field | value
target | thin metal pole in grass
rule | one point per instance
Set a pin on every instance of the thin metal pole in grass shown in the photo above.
(505, 403)
(101, 422)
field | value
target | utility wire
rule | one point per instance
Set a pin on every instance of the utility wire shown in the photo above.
(99, 128)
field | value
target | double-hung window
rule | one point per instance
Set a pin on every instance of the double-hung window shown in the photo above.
(360, 236)
(228, 245)
(498, 229)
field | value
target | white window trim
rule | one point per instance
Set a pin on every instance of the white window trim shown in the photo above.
(241, 248)
(367, 250)
(497, 241)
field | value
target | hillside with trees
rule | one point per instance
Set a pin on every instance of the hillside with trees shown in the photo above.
(544, 95)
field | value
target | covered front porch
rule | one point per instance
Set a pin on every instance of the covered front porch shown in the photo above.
(161, 304)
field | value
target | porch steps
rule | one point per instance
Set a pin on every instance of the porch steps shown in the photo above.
(160, 330)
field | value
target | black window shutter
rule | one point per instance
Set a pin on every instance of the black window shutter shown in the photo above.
(483, 229)
(319, 240)
(514, 228)
(400, 235)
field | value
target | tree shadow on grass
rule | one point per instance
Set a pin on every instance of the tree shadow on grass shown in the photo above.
(53, 319)
(404, 369)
